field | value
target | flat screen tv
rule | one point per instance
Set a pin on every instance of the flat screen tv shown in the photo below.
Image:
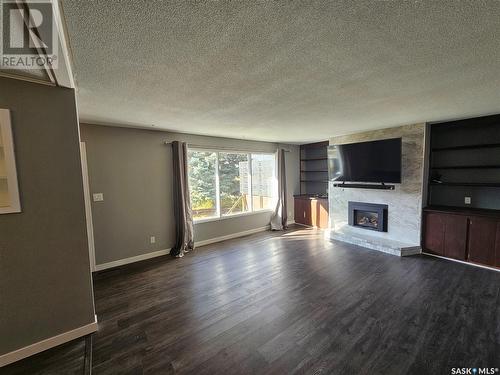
(375, 161)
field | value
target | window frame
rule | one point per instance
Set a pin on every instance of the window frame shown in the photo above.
(251, 210)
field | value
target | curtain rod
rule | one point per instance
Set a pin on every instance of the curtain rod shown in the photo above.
(169, 143)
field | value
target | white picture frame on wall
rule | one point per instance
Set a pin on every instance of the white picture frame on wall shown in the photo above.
(9, 187)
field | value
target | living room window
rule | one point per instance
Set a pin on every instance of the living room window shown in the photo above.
(225, 184)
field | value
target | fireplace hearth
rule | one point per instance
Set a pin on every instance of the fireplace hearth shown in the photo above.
(369, 216)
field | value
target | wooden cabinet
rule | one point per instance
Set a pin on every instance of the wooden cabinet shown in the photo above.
(482, 240)
(302, 209)
(319, 213)
(497, 246)
(455, 237)
(446, 235)
(434, 233)
(469, 235)
(311, 211)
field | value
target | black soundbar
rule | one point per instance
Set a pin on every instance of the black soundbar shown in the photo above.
(366, 186)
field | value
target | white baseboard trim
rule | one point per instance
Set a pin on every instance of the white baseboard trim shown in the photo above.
(121, 262)
(138, 258)
(231, 236)
(51, 342)
(461, 261)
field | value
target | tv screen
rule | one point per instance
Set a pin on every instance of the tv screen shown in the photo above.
(376, 161)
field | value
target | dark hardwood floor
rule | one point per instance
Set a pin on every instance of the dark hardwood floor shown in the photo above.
(283, 303)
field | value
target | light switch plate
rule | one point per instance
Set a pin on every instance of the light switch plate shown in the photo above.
(98, 197)
(152, 239)
(467, 200)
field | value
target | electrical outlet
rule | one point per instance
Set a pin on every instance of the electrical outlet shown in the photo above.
(152, 239)
(467, 200)
(98, 197)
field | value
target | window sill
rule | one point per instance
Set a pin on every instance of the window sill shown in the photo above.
(210, 219)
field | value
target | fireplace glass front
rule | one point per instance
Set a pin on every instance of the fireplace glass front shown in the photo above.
(366, 219)
(370, 216)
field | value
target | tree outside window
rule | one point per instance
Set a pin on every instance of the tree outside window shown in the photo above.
(228, 183)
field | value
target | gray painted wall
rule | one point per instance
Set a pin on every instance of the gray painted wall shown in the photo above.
(45, 281)
(133, 169)
(405, 202)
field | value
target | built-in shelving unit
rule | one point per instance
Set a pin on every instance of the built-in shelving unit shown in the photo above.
(467, 147)
(462, 217)
(314, 168)
(475, 184)
(314, 180)
(465, 162)
(468, 167)
(313, 159)
(311, 205)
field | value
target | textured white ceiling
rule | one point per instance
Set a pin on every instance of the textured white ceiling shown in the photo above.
(289, 71)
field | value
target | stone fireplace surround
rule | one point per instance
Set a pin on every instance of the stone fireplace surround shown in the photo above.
(404, 203)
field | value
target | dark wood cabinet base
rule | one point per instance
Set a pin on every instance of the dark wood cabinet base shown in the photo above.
(469, 235)
(311, 211)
